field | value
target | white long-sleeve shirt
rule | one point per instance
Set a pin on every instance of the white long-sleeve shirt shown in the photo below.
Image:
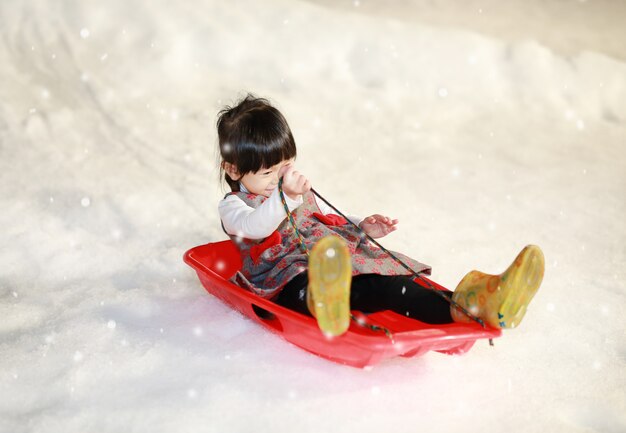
(242, 220)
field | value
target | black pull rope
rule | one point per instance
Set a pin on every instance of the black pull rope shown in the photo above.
(407, 267)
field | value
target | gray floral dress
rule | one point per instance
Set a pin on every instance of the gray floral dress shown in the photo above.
(271, 263)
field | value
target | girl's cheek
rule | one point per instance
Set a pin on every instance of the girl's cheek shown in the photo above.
(284, 169)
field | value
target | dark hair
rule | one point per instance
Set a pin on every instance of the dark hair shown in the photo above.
(252, 136)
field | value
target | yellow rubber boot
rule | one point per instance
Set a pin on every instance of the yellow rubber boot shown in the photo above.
(330, 277)
(501, 300)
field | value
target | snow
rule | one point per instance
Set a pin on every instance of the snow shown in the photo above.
(478, 140)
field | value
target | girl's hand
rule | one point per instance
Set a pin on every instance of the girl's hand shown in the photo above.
(378, 226)
(294, 183)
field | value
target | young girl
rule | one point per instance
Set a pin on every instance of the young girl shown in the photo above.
(327, 266)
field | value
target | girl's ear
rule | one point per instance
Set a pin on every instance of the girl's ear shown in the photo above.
(230, 170)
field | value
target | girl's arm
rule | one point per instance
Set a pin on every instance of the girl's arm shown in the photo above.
(375, 225)
(239, 219)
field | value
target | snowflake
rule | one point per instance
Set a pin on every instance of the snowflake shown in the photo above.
(78, 356)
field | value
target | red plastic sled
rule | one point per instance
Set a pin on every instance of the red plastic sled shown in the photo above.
(217, 262)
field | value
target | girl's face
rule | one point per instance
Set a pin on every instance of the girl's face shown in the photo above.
(265, 181)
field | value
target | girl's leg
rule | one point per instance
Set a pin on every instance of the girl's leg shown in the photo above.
(371, 292)
(293, 295)
(500, 300)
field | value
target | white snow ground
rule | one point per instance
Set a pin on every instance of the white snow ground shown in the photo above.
(478, 144)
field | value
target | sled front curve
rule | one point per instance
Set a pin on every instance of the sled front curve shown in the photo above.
(215, 263)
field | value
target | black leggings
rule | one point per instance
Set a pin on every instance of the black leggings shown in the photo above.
(371, 292)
